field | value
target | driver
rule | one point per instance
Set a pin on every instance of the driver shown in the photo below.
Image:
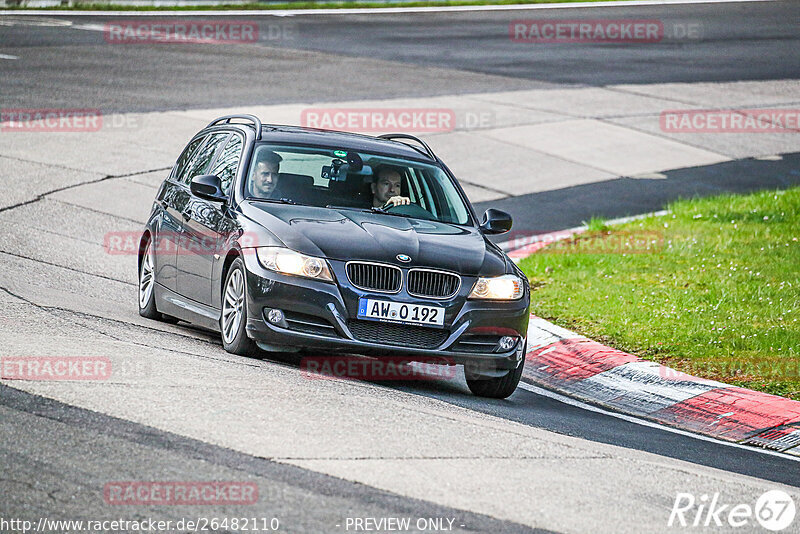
(265, 178)
(386, 187)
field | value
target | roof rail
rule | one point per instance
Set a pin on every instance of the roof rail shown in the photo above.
(428, 152)
(252, 118)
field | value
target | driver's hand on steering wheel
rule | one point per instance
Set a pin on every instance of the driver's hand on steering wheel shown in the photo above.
(397, 201)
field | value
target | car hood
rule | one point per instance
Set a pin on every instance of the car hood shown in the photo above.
(344, 234)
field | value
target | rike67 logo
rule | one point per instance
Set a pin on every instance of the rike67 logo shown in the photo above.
(774, 510)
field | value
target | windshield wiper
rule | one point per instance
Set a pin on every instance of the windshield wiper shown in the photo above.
(277, 200)
(333, 207)
(382, 211)
(385, 211)
(371, 209)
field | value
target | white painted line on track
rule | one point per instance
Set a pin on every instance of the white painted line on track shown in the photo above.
(366, 11)
(6, 56)
(643, 422)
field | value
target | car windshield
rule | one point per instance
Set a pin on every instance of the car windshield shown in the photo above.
(341, 178)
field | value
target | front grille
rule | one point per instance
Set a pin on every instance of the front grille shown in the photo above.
(395, 334)
(436, 284)
(374, 276)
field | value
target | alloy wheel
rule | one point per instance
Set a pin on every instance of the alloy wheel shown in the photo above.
(146, 277)
(232, 305)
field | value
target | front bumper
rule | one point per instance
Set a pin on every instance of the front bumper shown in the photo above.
(336, 306)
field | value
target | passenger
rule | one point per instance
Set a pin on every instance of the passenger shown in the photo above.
(265, 178)
(386, 187)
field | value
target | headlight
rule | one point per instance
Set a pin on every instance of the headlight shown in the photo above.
(286, 261)
(506, 287)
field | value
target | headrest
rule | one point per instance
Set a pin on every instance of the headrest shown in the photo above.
(295, 181)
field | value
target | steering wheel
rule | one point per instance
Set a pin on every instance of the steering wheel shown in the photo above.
(410, 210)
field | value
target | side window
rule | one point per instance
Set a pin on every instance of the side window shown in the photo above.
(202, 158)
(185, 157)
(228, 162)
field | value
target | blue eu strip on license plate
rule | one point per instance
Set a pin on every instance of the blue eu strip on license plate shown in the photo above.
(400, 312)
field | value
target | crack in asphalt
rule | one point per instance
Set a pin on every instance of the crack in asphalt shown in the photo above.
(41, 467)
(53, 310)
(349, 458)
(16, 158)
(44, 195)
(65, 267)
(20, 482)
(58, 234)
(40, 196)
(99, 212)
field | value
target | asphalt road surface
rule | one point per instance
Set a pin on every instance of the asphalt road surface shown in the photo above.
(323, 451)
(348, 57)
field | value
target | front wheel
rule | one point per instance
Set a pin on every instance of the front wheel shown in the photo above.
(499, 387)
(147, 282)
(233, 321)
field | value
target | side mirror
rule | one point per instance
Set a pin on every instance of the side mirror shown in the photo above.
(496, 222)
(208, 187)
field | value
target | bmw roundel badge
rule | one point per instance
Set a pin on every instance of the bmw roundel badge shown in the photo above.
(404, 258)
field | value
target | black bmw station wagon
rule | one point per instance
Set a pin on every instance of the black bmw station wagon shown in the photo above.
(285, 238)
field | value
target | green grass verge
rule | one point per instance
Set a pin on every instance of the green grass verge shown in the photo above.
(299, 5)
(714, 290)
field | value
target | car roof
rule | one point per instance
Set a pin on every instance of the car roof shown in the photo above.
(275, 133)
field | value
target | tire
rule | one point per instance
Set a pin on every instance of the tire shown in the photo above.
(498, 387)
(233, 319)
(146, 293)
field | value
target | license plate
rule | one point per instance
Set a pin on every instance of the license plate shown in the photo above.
(400, 312)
